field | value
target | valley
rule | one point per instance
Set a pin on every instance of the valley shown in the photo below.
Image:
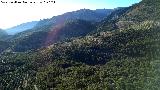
(82, 50)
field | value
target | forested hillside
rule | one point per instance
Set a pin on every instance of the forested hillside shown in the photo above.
(59, 28)
(120, 53)
(4, 45)
(49, 35)
(83, 14)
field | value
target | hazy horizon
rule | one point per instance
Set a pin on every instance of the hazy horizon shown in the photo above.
(16, 14)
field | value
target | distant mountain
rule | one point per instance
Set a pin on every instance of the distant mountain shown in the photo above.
(2, 33)
(124, 54)
(61, 32)
(3, 45)
(21, 27)
(62, 27)
(82, 14)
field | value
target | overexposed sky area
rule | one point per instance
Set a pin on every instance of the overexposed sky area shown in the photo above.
(16, 13)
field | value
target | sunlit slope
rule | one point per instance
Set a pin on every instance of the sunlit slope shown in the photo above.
(125, 58)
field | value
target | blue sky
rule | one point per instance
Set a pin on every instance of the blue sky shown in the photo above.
(103, 3)
(14, 14)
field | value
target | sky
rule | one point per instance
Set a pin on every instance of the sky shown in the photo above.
(15, 13)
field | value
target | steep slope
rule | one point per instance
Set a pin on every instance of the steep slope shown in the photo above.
(146, 10)
(125, 17)
(117, 60)
(80, 23)
(4, 45)
(126, 58)
(83, 14)
(63, 31)
(21, 27)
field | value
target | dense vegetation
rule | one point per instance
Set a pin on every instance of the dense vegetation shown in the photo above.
(125, 57)
(4, 45)
(83, 14)
(59, 28)
(49, 35)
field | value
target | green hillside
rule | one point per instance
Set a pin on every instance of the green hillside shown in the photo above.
(4, 45)
(124, 57)
(48, 35)
(63, 27)
(125, 17)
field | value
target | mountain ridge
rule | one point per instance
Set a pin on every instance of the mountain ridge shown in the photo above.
(3, 33)
(20, 28)
(123, 57)
(47, 25)
(83, 14)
